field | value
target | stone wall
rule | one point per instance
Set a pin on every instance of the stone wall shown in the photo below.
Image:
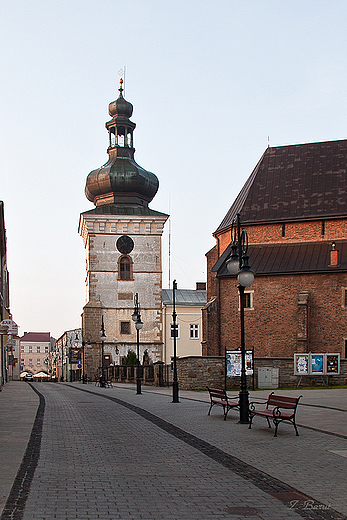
(198, 372)
(195, 373)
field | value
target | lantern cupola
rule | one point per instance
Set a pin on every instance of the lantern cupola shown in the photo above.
(121, 180)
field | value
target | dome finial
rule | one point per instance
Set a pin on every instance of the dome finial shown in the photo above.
(121, 86)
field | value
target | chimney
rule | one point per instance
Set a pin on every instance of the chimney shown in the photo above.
(201, 286)
(334, 256)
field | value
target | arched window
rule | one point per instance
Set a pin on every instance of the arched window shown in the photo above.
(125, 268)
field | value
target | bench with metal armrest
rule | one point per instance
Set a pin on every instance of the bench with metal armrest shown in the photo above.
(278, 408)
(221, 398)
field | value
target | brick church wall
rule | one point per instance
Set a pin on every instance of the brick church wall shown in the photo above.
(276, 327)
(292, 312)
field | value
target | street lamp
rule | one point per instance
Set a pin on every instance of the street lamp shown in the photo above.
(136, 317)
(237, 264)
(62, 362)
(103, 338)
(175, 334)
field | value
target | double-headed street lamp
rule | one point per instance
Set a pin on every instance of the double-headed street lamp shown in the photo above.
(136, 317)
(103, 338)
(237, 264)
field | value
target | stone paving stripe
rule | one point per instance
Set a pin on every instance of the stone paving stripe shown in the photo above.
(322, 431)
(307, 507)
(323, 406)
(15, 504)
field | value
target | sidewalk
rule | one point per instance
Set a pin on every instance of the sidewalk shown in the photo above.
(313, 463)
(18, 406)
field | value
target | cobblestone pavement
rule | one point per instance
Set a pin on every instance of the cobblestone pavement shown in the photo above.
(110, 453)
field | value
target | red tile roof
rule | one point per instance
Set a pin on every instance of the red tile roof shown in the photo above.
(297, 182)
(36, 336)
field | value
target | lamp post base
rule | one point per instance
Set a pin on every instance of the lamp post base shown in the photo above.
(138, 381)
(244, 407)
(175, 392)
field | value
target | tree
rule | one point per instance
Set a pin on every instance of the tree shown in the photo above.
(130, 358)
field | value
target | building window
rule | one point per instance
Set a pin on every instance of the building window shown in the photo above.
(283, 230)
(38, 350)
(30, 349)
(22, 348)
(125, 327)
(344, 298)
(249, 300)
(38, 362)
(172, 331)
(345, 352)
(30, 362)
(323, 228)
(194, 331)
(22, 362)
(46, 348)
(124, 268)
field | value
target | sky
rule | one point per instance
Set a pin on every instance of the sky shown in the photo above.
(212, 84)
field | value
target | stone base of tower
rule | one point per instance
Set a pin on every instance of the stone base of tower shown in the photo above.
(114, 350)
(91, 325)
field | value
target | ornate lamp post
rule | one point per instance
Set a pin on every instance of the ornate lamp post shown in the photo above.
(175, 398)
(103, 338)
(136, 317)
(237, 264)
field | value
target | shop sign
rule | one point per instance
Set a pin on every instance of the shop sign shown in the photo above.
(8, 327)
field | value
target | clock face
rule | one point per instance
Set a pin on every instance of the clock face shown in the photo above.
(125, 244)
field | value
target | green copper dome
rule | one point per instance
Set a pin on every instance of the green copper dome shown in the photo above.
(121, 180)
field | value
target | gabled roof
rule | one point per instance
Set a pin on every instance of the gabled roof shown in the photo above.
(36, 337)
(299, 258)
(296, 182)
(184, 297)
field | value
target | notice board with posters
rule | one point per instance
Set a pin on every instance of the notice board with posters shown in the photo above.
(233, 362)
(316, 364)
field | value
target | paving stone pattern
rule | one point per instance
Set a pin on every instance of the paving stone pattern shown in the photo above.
(109, 453)
(101, 460)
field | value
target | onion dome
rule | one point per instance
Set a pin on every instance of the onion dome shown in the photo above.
(121, 180)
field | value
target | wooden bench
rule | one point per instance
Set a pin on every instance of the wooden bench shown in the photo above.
(278, 408)
(221, 398)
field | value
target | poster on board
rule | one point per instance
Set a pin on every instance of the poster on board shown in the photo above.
(233, 362)
(332, 363)
(317, 364)
(301, 364)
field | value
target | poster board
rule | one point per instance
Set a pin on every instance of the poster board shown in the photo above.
(234, 360)
(316, 364)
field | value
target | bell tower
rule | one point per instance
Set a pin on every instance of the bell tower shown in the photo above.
(122, 238)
